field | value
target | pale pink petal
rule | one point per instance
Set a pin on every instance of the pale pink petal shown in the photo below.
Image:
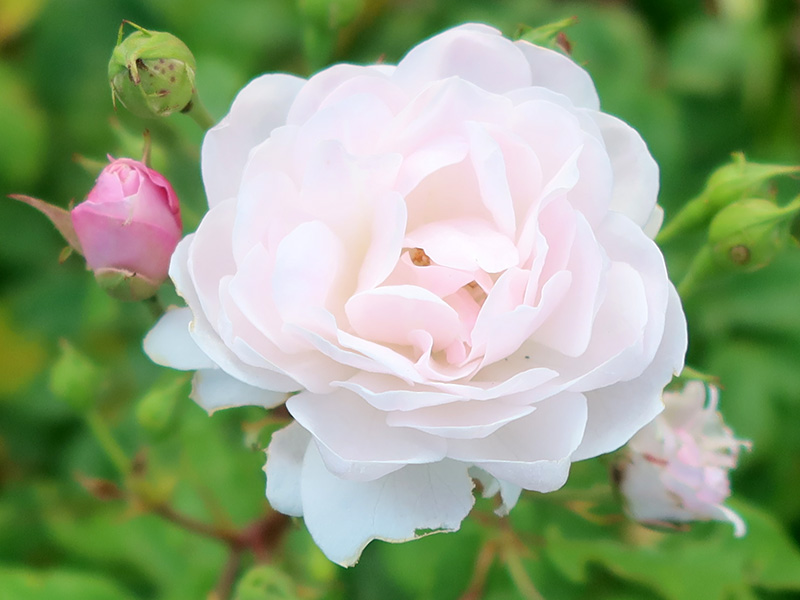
(461, 420)
(553, 70)
(383, 392)
(635, 172)
(410, 308)
(354, 439)
(465, 244)
(475, 53)
(619, 411)
(258, 109)
(532, 452)
(344, 516)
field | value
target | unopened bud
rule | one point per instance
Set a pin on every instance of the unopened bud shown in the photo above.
(157, 408)
(127, 228)
(550, 35)
(749, 234)
(152, 73)
(266, 581)
(331, 14)
(75, 378)
(730, 183)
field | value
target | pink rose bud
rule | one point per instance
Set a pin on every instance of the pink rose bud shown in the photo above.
(677, 466)
(128, 227)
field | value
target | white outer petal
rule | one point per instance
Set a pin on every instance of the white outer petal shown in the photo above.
(284, 468)
(214, 389)
(344, 516)
(170, 344)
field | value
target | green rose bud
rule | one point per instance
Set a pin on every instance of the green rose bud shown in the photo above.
(156, 410)
(75, 379)
(748, 234)
(729, 183)
(152, 73)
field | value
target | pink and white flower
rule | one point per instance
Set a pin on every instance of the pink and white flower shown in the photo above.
(444, 268)
(677, 467)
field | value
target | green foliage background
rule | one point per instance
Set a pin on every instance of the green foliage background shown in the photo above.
(699, 80)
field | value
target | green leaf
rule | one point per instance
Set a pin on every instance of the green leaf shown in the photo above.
(25, 584)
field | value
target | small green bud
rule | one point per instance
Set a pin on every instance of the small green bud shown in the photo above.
(748, 234)
(156, 410)
(331, 14)
(264, 582)
(75, 379)
(550, 35)
(152, 73)
(729, 183)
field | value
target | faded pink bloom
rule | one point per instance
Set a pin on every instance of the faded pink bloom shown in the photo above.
(130, 222)
(678, 465)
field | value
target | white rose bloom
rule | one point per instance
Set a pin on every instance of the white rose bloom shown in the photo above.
(446, 262)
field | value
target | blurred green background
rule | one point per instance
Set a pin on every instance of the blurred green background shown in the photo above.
(698, 79)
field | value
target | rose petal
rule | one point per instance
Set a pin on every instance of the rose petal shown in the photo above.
(169, 344)
(475, 53)
(399, 507)
(465, 244)
(258, 109)
(532, 452)
(213, 389)
(635, 172)
(411, 308)
(553, 70)
(619, 411)
(354, 439)
(461, 420)
(285, 454)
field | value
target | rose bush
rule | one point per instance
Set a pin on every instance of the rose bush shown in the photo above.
(443, 268)
(676, 468)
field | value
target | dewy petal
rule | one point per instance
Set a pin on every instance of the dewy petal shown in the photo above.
(169, 343)
(354, 439)
(553, 70)
(618, 411)
(284, 469)
(532, 452)
(475, 53)
(214, 389)
(258, 109)
(344, 516)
